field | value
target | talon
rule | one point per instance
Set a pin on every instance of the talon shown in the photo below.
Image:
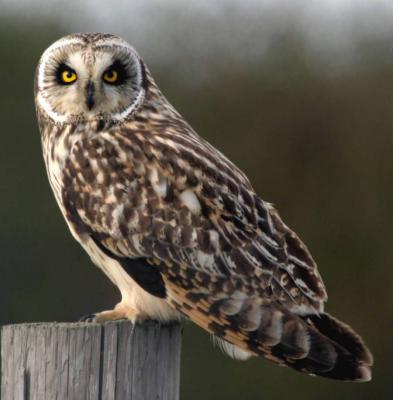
(88, 318)
(120, 312)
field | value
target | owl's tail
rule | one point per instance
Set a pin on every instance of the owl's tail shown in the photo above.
(315, 344)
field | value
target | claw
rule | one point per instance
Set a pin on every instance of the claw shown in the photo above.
(88, 318)
(120, 312)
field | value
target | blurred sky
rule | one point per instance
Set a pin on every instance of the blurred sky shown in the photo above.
(225, 29)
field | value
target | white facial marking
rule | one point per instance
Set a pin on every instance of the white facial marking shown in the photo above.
(47, 53)
(93, 59)
(42, 101)
(77, 62)
(139, 100)
(49, 110)
(141, 94)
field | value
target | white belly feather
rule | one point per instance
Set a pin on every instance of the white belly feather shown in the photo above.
(133, 295)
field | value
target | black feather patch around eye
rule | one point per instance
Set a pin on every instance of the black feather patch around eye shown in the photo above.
(120, 70)
(61, 69)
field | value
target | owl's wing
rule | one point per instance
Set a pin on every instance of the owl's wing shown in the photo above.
(187, 225)
(178, 203)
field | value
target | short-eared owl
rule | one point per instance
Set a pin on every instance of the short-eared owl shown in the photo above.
(172, 222)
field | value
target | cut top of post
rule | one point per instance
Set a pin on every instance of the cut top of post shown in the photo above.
(79, 361)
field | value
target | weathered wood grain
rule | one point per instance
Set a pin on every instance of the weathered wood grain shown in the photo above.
(85, 361)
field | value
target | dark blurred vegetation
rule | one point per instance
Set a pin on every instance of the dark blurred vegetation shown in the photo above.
(318, 145)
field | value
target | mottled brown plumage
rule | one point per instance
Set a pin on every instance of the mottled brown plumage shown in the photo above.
(173, 223)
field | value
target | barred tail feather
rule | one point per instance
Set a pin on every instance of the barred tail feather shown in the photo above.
(315, 344)
(353, 360)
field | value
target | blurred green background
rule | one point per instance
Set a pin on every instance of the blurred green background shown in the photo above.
(299, 95)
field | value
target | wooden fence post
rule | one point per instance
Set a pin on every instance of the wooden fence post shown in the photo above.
(87, 361)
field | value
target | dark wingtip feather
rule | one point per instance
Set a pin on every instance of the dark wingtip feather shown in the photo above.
(364, 374)
(348, 371)
(354, 359)
(343, 335)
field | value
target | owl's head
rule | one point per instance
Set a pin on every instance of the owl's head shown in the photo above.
(89, 76)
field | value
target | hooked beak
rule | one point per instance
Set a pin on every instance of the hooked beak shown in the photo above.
(90, 95)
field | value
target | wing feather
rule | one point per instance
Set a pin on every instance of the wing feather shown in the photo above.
(126, 186)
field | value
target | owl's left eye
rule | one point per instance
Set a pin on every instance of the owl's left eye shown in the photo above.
(116, 74)
(111, 76)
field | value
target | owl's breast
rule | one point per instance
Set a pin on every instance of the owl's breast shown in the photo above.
(57, 144)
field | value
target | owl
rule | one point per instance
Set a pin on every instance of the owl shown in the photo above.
(172, 222)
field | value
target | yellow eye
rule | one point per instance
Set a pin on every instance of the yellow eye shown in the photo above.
(68, 76)
(111, 76)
